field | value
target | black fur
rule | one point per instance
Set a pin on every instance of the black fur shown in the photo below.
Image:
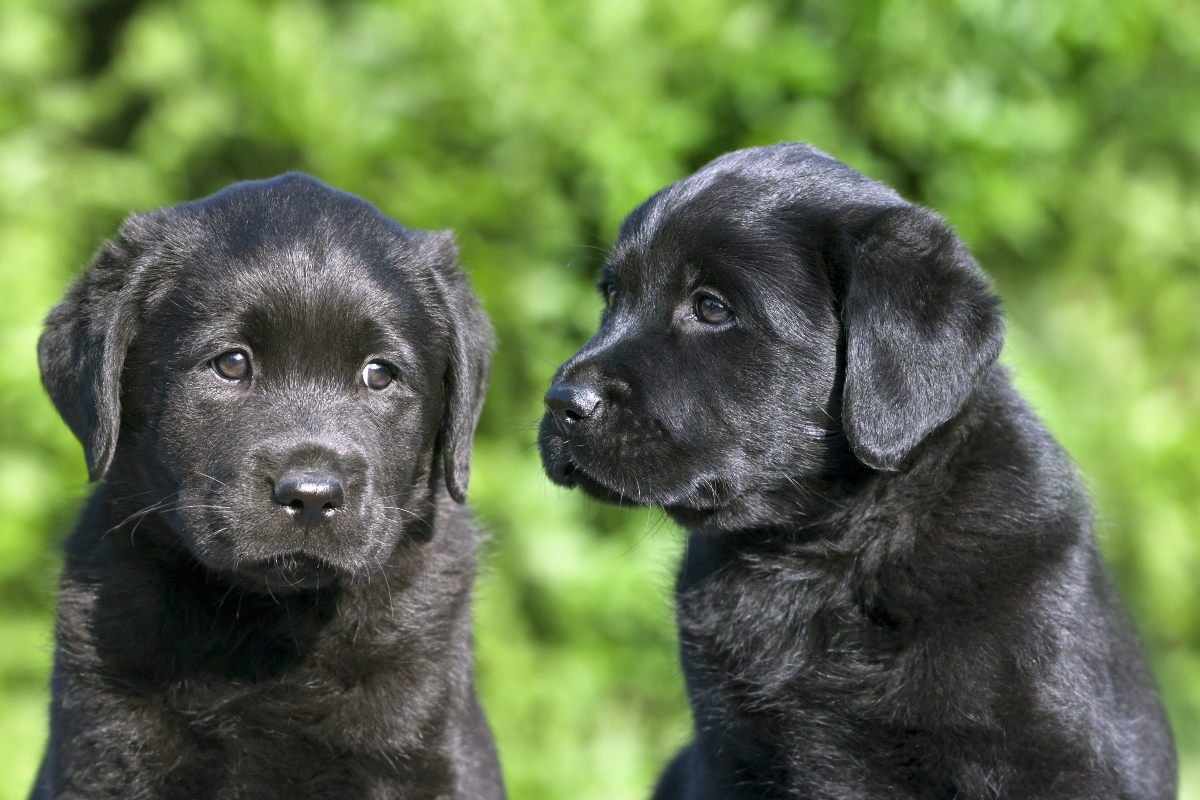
(210, 642)
(890, 587)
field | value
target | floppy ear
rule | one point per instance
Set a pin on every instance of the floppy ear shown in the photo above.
(466, 378)
(922, 329)
(82, 350)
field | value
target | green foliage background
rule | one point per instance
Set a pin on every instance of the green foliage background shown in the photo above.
(1060, 137)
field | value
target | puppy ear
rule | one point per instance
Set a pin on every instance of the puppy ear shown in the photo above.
(466, 378)
(922, 329)
(82, 350)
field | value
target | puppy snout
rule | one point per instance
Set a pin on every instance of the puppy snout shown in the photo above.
(311, 496)
(570, 403)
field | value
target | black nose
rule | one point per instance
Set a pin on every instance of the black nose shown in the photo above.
(569, 403)
(310, 495)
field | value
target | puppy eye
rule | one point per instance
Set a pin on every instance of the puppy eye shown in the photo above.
(232, 366)
(714, 312)
(377, 375)
(609, 290)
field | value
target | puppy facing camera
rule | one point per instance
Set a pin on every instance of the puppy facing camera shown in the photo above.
(890, 588)
(267, 593)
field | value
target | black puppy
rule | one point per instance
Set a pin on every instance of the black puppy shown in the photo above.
(890, 587)
(267, 594)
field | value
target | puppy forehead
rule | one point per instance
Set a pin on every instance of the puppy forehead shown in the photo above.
(723, 238)
(750, 197)
(758, 225)
(302, 296)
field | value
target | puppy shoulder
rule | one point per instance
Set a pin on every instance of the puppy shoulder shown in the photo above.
(996, 470)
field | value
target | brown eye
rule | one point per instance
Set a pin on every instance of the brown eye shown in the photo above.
(377, 375)
(232, 366)
(714, 312)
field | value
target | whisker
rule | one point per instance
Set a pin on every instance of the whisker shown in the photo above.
(210, 477)
(387, 585)
(142, 512)
(405, 510)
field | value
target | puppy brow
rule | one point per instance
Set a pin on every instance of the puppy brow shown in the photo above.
(215, 338)
(400, 349)
(697, 275)
(703, 272)
(605, 278)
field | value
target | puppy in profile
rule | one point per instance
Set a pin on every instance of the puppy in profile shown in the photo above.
(267, 593)
(890, 587)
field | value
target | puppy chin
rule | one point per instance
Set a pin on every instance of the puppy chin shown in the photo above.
(288, 573)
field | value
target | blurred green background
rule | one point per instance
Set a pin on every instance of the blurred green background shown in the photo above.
(1060, 137)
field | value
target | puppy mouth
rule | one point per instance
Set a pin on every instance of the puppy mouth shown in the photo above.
(566, 461)
(289, 572)
(702, 497)
(569, 473)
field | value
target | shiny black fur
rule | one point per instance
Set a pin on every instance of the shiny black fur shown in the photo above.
(212, 643)
(890, 588)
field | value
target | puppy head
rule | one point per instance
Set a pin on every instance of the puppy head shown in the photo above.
(272, 371)
(769, 319)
